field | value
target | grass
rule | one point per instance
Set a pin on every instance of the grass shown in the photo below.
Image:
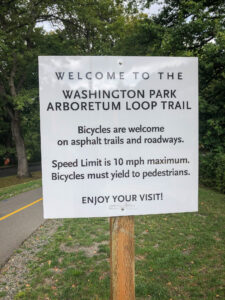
(178, 256)
(12, 185)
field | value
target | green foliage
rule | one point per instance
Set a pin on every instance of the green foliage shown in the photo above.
(141, 36)
(92, 27)
(190, 28)
(7, 149)
(25, 98)
(30, 123)
(212, 94)
(189, 25)
(212, 174)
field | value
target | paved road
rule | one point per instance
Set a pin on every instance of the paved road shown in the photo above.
(18, 226)
(8, 171)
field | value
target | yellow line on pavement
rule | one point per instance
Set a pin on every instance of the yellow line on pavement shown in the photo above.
(18, 210)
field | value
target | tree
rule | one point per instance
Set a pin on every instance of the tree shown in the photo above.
(18, 39)
(196, 28)
(188, 28)
(191, 28)
(141, 36)
(87, 27)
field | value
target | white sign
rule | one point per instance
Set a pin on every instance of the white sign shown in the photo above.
(119, 135)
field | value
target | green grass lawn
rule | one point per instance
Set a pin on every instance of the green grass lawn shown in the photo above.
(178, 256)
(12, 185)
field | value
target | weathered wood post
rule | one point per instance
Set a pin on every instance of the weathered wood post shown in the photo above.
(122, 261)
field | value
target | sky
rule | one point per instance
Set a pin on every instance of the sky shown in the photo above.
(154, 9)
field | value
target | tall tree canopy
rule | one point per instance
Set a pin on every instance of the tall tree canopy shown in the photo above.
(84, 27)
(196, 28)
(187, 28)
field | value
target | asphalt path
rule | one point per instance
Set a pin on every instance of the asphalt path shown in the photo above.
(19, 217)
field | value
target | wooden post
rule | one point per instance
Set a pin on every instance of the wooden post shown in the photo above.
(122, 258)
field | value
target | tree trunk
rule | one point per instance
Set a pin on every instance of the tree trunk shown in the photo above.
(22, 169)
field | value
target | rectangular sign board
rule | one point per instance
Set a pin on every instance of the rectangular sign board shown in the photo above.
(119, 135)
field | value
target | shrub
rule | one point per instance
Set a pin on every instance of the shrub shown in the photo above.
(212, 170)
